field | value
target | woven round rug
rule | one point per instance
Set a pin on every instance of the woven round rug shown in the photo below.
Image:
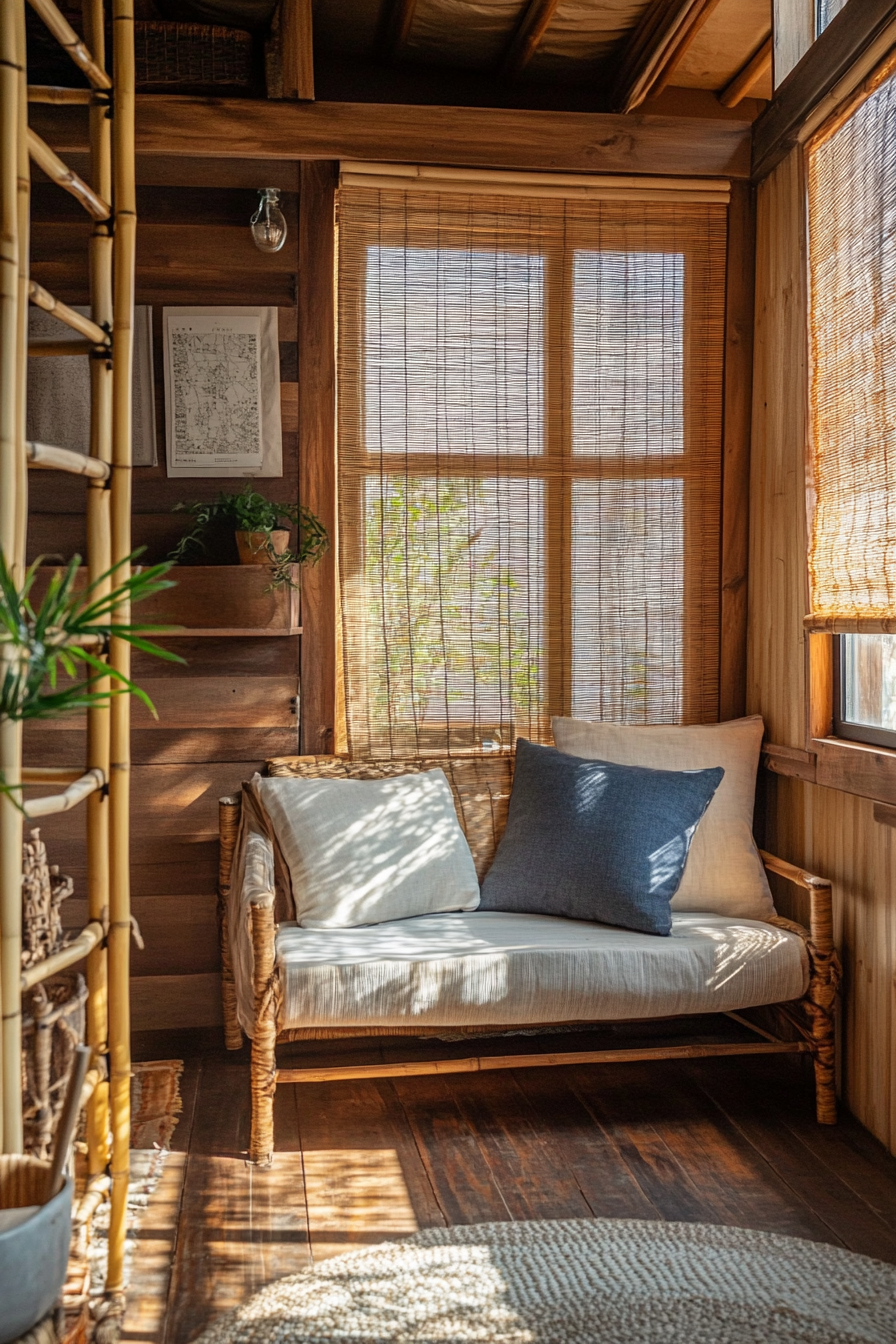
(568, 1282)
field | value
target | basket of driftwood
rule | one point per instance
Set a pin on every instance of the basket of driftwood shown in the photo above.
(53, 1012)
(191, 56)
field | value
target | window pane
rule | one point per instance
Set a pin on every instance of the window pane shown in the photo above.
(628, 362)
(628, 599)
(826, 10)
(452, 590)
(453, 351)
(868, 674)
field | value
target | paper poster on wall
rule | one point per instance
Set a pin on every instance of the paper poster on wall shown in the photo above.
(59, 389)
(222, 392)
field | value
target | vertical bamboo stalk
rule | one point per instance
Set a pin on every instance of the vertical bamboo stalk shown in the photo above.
(23, 207)
(10, 735)
(125, 197)
(99, 558)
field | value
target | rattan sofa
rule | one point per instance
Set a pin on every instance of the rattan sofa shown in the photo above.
(481, 788)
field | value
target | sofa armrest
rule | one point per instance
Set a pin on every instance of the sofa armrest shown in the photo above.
(821, 911)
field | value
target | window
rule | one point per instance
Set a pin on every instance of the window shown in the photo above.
(865, 689)
(529, 464)
(852, 275)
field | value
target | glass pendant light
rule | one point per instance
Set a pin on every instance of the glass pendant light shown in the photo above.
(268, 224)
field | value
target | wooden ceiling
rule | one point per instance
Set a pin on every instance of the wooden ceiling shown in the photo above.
(634, 48)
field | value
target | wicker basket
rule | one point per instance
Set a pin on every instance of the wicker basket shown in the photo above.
(191, 56)
(53, 1023)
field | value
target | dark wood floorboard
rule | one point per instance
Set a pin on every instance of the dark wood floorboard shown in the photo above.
(730, 1141)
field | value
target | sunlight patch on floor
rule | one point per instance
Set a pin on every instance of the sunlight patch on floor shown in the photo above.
(356, 1197)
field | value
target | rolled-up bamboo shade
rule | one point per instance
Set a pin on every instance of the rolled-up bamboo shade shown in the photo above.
(529, 464)
(852, 275)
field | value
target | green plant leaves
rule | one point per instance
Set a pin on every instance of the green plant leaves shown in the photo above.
(67, 633)
(250, 511)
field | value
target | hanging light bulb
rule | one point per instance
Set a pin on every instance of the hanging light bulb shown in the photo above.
(268, 224)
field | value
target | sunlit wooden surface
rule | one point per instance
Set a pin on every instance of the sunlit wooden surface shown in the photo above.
(722, 1141)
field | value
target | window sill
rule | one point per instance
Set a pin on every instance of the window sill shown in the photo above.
(835, 763)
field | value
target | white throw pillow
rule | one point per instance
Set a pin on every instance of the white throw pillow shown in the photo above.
(367, 851)
(724, 873)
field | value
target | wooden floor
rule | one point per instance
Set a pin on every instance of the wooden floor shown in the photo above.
(728, 1141)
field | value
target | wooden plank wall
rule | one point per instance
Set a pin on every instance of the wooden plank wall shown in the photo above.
(829, 832)
(233, 704)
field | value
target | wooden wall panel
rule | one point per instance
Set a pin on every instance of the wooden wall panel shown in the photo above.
(317, 440)
(825, 830)
(777, 600)
(739, 302)
(235, 701)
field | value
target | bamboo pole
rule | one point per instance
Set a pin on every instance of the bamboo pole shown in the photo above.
(53, 93)
(125, 197)
(82, 788)
(560, 1059)
(51, 347)
(42, 298)
(87, 939)
(23, 204)
(47, 457)
(66, 36)
(99, 559)
(10, 735)
(49, 161)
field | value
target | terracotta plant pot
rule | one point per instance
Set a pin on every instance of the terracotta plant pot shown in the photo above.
(253, 546)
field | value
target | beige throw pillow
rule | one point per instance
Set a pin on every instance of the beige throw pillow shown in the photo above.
(367, 851)
(724, 873)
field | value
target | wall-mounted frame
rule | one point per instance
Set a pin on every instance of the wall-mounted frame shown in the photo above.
(222, 392)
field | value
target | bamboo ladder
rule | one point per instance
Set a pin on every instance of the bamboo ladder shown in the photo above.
(107, 336)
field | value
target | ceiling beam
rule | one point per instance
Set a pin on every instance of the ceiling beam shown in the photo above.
(295, 48)
(656, 47)
(679, 51)
(562, 142)
(746, 79)
(533, 25)
(855, 40)
(398, 16)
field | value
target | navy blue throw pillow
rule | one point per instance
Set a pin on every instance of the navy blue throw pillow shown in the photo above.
(597, 841)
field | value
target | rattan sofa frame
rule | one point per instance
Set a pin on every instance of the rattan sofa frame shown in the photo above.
(481, 788)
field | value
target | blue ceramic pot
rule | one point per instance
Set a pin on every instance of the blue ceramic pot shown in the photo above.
(33, 1263)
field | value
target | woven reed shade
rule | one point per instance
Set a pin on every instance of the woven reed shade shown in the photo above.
(852, 308)
(529, 464)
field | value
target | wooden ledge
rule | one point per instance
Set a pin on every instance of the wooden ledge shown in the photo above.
(835, 763)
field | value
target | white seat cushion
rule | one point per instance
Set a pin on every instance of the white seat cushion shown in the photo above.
(487, 968)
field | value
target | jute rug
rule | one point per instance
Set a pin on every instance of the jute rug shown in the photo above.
(617, 1282)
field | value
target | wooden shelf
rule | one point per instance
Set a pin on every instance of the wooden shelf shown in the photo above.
(225, 600)
(215, 601)
(194, 632)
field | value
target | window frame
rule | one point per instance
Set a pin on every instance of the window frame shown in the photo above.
(848, 729)
(558, 383)
(839, 755)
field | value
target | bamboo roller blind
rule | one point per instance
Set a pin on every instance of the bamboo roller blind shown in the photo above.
(529, 463)
(852, 330)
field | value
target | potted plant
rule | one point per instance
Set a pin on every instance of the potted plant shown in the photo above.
(58, 636)
(257, 524)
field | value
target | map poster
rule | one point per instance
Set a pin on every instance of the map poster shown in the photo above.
(222, 392)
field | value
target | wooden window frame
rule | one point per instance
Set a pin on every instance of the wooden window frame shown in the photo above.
(320, 690)
(831, 760)
(558, 467)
